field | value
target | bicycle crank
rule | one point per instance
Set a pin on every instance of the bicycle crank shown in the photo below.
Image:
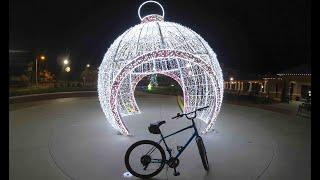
(173, 162)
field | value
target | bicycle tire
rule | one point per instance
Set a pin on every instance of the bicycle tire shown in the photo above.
(136, 144)
(203, 153)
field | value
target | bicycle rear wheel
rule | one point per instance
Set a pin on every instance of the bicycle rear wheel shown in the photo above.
(145, 159)
(203, 153)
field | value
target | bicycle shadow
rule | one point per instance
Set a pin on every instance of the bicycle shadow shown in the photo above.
(208, 174)
(154, 178)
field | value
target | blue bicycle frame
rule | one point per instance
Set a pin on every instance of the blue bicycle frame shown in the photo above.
(195, 134)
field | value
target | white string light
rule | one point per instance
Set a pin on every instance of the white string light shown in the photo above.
(158, 47)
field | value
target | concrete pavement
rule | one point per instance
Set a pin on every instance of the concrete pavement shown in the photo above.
(69, 138)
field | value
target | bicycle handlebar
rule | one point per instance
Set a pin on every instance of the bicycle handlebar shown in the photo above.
(186, 114)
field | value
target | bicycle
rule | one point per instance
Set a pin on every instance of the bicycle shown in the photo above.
(154, 155)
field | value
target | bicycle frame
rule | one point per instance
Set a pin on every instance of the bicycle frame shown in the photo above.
(195, 134)
(172, 162)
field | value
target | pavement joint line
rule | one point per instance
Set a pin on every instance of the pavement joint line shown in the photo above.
(269, 164)
(52, 156)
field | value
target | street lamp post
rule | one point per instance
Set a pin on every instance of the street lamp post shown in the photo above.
(42, 58)
(66, 70)
(84, 77)
(231, 82)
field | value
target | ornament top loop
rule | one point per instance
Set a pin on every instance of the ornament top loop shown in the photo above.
(150, 2)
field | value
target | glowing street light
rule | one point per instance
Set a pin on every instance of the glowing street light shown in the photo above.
(231, 79)
(42, 57)
(88, 65)
(66, 62)
(67, 69)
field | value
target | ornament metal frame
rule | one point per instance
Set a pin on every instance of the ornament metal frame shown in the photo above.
(158, 47)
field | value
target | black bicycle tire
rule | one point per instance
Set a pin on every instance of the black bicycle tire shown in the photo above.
(126, 159)
(203, 153)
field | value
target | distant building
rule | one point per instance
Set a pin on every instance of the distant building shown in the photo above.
(292, 84)
(296, 82)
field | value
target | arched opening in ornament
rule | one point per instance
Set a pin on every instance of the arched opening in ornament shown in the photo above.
(166, 86)
(158, 96)
(149, 83)
(159, 84)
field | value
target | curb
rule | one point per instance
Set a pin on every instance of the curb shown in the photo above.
(46, 96)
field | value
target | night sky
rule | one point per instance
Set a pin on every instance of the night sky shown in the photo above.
(253, 36)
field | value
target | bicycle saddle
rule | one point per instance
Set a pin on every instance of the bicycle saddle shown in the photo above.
(154, 127)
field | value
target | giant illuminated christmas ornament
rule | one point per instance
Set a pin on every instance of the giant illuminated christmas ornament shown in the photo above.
(158, 47)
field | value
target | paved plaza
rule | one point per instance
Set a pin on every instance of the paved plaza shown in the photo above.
(69, 138)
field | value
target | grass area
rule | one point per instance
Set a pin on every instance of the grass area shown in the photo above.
(34, 90)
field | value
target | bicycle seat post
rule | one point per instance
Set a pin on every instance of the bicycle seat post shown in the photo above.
(194, 126)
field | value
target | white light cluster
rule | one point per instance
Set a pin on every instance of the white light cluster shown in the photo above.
(158, 47)
(272, 78)
(294, 74)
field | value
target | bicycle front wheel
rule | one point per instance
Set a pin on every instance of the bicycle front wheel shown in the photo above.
(145, 159)
(203, 153)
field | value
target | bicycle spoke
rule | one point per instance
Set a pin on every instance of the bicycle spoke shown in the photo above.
(152, 149)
